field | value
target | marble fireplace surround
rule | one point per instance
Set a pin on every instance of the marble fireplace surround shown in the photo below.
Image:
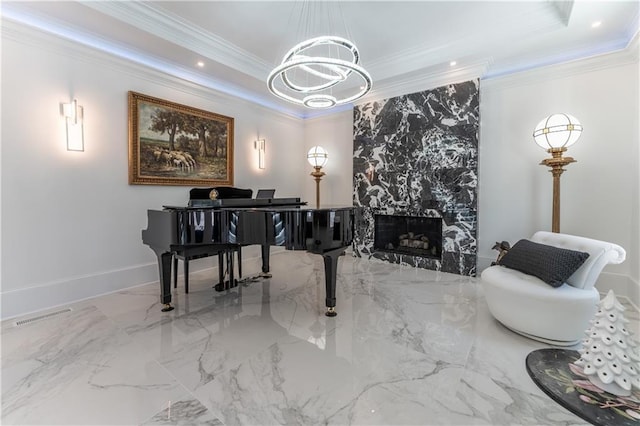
(417, 155)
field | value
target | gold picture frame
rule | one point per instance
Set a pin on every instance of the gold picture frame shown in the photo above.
(174, 144)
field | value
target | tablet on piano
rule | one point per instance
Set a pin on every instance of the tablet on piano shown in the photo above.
(265, 193)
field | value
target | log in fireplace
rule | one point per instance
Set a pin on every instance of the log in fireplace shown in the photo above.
(412, 235)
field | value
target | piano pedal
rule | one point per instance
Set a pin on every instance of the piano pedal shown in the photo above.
(245, 282)
(331, 312)
(167, 307)
(226, 285)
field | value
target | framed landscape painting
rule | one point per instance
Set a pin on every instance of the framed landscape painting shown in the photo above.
(173, 144)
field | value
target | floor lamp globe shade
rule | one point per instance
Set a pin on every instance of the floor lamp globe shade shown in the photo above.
(317, 156)
(557, 131)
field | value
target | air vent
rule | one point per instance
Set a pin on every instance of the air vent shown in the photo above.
(41, 317)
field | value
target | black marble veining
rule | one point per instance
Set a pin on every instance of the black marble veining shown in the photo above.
(417, 155)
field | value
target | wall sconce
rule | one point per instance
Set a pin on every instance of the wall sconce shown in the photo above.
(73, 114)
(317, 157)
(555, 134)
(260, 145)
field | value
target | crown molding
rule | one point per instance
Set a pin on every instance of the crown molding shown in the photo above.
(424, 81)
(633, 28)
(422, 56)
(168, 26)
(628, 55)
(172, 76)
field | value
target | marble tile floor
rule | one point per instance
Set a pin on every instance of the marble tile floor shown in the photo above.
(409, 346)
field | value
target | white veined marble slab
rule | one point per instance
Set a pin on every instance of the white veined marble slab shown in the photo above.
(409, 346)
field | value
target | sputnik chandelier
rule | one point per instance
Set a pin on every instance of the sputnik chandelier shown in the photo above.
(312, 69)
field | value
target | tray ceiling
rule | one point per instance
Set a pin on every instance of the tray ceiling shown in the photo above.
(405, 46)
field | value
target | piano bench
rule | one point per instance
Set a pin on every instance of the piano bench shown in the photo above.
(201, 252)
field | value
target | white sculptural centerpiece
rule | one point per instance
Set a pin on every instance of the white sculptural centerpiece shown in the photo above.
(609, 356)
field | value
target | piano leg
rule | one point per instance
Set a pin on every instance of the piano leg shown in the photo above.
(232, 269)
(175, 271)
(265, 261)
(220, 285)
(164, 264)
(330, 272)
(226, 256)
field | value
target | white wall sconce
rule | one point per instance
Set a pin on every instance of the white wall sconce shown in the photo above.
(73, 114)
(260, 146)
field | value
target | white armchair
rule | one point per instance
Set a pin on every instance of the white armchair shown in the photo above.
(533, 308)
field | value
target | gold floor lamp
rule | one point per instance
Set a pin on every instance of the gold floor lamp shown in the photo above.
(555, 134)
(317, 157)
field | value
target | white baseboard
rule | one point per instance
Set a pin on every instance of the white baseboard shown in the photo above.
(74, 289)
(45, 296)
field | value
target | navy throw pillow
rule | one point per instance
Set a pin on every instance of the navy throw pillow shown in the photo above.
(553, 265)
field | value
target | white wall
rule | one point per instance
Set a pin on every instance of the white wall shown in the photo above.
(71, 223)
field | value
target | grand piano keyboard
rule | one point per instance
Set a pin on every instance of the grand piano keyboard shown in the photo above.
(226, 226)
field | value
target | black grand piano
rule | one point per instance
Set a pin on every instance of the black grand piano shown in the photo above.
(227, 224)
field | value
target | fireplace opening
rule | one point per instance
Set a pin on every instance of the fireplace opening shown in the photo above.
(415, 236)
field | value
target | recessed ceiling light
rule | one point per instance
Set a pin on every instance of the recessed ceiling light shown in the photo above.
(200, 64)
(453, 63)
(596, 24)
